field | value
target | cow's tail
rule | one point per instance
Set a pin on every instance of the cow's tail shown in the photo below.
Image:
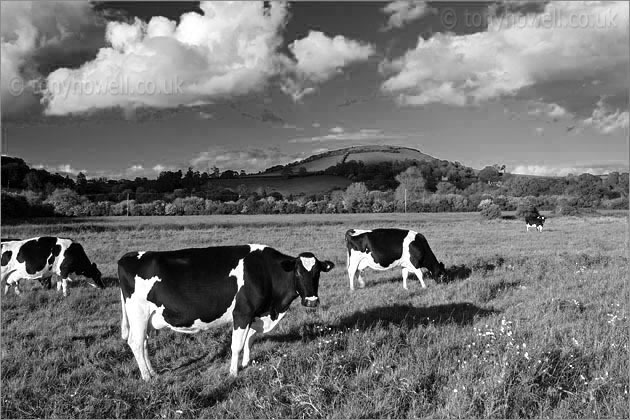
(124, 324)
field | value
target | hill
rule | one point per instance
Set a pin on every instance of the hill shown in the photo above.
(366, 154)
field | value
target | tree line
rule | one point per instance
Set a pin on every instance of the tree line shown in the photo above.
(416, 186)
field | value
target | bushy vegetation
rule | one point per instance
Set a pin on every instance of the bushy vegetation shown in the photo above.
(412, 186)
(489, 210)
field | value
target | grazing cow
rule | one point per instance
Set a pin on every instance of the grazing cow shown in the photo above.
(43, 257)
(535, 222)
(190, 290)
(382, 249)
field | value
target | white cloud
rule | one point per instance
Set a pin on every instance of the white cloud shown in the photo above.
(568, 41)
(404, 11)
(548, 170)
(551, 110)
(228, 50)
(607, 121)
(316, 125)
(539, 131)
(318, 58)
(339, 134)
(63, 168)
(337, 130)
(250, 160)
(26, 29)
(205, 115)
(161, 168)
(135, 168)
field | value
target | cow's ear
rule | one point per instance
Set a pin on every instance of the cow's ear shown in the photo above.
(288, 265)
(327, 266)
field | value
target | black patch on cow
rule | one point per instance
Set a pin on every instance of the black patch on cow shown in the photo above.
(55, 251)
(420, 253)
(385, 245)
(34, 253)
(74, 261)
(6, 257)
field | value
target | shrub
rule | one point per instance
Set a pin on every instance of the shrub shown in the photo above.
(491, 211)
(526, 209)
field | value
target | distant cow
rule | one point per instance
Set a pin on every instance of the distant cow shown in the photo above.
(190, 290)
(382, 249)
(535, 222)
(43, 257)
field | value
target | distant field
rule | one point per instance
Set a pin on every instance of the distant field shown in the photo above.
(536, 327)
(301, 185)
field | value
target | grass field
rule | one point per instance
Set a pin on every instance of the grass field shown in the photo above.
(535, 325)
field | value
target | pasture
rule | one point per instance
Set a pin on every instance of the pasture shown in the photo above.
(533, 325)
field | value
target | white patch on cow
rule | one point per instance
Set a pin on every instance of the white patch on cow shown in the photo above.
(256, 247)
(239, 273)
(265, 324)
(357, 232)
(308, 263)
(143, 287)
(141, 253)
(311, 298)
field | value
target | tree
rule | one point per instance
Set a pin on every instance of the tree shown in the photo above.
(413, 182)
(489, 174)
(286, 172)
(81, 183)
(33, 182)
(302, 171)
(355, 195)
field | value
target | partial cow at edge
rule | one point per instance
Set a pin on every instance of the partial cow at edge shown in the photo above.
(190, 290)
(42, 257)
(383, 249)
(535, 222)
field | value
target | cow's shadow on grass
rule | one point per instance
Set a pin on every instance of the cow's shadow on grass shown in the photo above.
(401, 315)
(406, 315)
(110, 281)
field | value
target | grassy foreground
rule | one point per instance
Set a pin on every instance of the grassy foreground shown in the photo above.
(534, 325)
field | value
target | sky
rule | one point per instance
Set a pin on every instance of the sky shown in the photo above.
(127, 89)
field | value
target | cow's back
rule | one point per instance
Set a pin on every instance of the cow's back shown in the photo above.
(190, 284)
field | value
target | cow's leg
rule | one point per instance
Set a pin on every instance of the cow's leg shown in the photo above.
(352, 271)
(138, 319)
(256, 327)
(418, 273)
(238, 341)
(64, 285)
(405, 274)
(124, 323)
(12, 280)
(146, 356)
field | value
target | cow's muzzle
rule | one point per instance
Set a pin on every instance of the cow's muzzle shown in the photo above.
(310, 301)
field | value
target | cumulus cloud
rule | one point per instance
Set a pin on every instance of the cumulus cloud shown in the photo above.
(551, 110)
(318, 58)
(228, 50)
(28, 31)
(402, 12)
(548, 170)
(338, 134)
(568, 41)
(607, 121)
(251, 160)
(62, 168)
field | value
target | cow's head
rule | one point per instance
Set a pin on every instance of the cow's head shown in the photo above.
(95, 274)
(82, 265)
(439, 273)
(306, 269)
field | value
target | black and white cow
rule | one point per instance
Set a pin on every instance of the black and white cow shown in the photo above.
(382, 249)
(43, 257)
(535, 222)
(190, 290)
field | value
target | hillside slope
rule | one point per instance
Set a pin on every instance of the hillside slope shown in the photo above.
(367, 154)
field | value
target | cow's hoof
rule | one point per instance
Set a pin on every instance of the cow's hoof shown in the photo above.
(233, 373)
